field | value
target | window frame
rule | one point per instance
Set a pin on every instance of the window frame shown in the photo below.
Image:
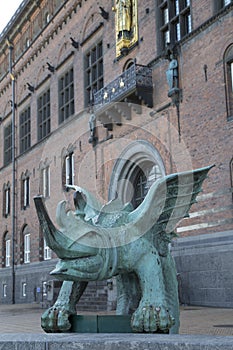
(25, 130)
(6, 200)
(45, 180)
(178, 24)
(8, 253)
(69, 169)
(47, 251)
(143, 177)
(228, 76)
(4, 290)
(220, 5)
(44, 288)
(231, 176)
(25, 199)
(8, 144)
(93, 71)
(66, 106)
(24, 289)
(43, 115)
(226, 3)
(27, 248)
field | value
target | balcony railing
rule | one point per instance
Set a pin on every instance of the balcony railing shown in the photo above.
(136, 79)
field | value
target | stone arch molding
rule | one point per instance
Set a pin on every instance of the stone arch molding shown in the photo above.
(137, 154)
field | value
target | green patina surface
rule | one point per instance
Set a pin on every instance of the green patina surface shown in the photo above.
(97, 243)
(100, 324)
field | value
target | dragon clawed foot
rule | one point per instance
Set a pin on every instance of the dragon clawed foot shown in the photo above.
(152, 319)
(56, 319)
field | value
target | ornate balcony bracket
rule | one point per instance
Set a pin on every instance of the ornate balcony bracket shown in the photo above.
(133, 87)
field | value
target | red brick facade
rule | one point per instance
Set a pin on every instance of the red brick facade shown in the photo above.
(205, 126)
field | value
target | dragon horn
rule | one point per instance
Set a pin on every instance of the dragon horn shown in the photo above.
(60, 243)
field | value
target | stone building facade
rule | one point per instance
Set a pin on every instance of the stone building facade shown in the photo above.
(111, 101)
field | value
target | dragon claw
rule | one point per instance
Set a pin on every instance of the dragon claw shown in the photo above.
(151, 319)
(55, 320)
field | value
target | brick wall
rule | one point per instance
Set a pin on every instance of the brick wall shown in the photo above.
(206, 133)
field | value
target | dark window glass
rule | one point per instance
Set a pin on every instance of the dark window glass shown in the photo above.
(93, 72)
(25, 130)
(8, 144)
(66, 95)
(43, 115)
(142, 180)
(228, 61)
(6, 200)
(25, 192)
(175, 21)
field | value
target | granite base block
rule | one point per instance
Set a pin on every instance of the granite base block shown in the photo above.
(113, 342)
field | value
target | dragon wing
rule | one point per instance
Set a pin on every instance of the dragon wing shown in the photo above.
(168, 201)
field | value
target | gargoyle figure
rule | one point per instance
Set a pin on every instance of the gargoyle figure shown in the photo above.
(97, 243)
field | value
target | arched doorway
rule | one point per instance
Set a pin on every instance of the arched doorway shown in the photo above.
(139, 165)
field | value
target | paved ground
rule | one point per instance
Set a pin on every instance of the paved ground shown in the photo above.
(194, 320)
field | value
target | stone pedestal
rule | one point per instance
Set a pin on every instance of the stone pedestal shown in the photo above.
(113, 342)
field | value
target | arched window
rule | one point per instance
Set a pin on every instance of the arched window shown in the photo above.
(231, 176)
(128, 64)
(142, 180)
(139, 165)
(25, 245)
(44, 188)
(25, 190)
(228, 67)
(47, 18)
(6, 200)
(27, 43)
(47, 251)
(218, 5)
(6, 250)
(68, 167)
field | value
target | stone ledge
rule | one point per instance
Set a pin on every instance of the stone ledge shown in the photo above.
(25, 341)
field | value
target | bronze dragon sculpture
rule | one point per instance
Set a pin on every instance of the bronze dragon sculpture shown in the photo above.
(97, 243)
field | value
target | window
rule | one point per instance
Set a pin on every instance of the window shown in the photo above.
(231, 176)
(27, 248)
(27, 43)
(142, 179)
(94, 79)
(46, 182)
(43, 115)
(175, 21)
(66, 95)
(6, 250)
(69, 161)
(25, 191)
(6, 200)
(47, 18)
(47, 251)
(140, 188)
(44, 288)
(8, 253)
(24, 287)
(4, 290)
(226, 2)
(8, 144)
(220, 4)
(228, 66)
(139, 160)
(25, 130)
(26, 187)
